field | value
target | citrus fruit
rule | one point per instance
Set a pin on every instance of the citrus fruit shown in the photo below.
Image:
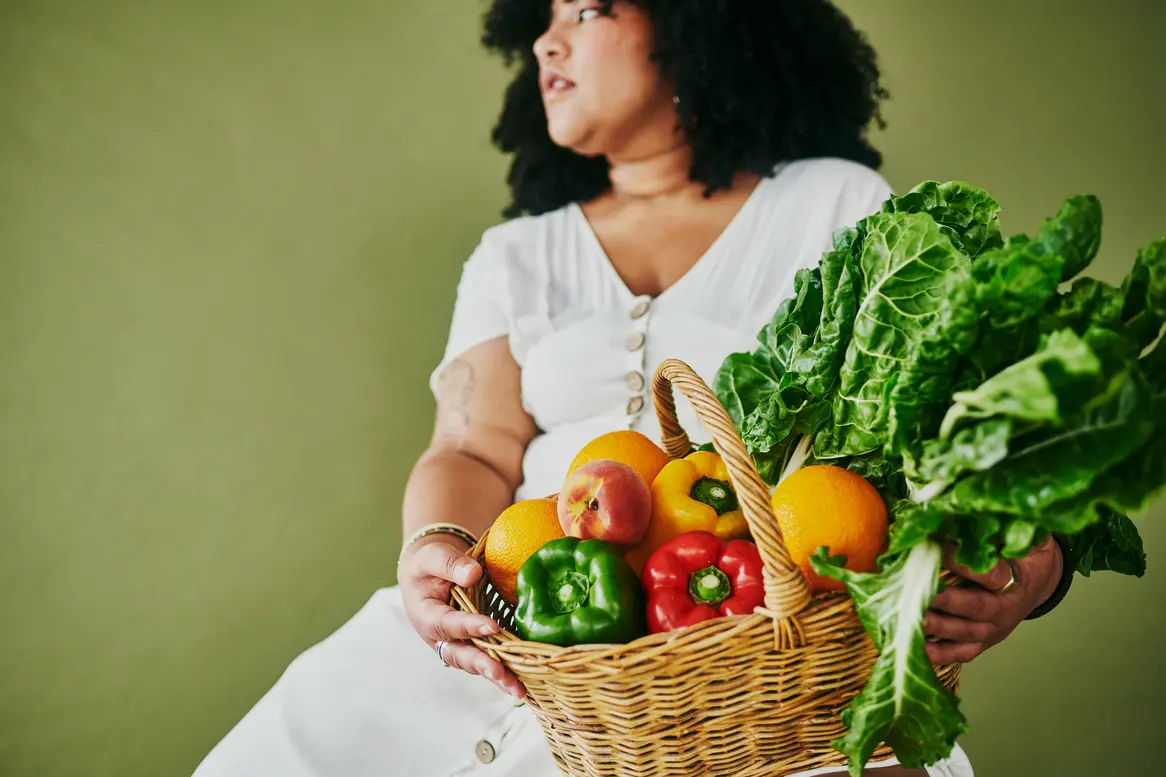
(627, 447)
(825, 505)
(518, 532)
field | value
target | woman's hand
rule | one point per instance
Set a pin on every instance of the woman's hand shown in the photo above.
(968, 621)
(426, 576)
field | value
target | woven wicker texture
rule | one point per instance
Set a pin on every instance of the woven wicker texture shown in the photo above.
(757, 695)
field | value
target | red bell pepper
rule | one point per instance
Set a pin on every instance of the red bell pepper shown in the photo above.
(694, 576)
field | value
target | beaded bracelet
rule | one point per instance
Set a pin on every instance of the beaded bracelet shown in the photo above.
(437, 528)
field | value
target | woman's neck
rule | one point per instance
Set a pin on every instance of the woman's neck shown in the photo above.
(663, 174)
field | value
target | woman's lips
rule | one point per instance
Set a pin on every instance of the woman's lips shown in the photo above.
(554, 84)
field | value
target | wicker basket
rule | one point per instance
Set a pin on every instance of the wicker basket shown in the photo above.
(745, 696)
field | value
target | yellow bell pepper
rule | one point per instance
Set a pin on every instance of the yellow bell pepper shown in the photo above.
(691, 494)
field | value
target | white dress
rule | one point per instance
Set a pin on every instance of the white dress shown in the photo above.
(372, 699)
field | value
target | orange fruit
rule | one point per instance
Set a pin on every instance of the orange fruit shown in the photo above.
(627, 447)
(516, 534)
(825, 505)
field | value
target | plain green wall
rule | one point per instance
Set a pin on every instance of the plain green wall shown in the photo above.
(230, 232)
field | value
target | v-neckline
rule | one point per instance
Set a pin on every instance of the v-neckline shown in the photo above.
(705, 258)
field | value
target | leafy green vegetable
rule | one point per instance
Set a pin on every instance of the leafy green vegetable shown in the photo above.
(1140, 478)
(901, 704)
(821, 361)
(1144, 294)
(1061, 461)
(969, 216)
(1112, 543)
(781, 387)
(1012, 282)
(973, 449)
(988, 405)
(1028, 389)
(908, 269)
(884, 472)
(1074, 234)
(1089, 302)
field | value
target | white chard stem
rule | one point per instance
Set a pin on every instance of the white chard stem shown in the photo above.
(800, 454)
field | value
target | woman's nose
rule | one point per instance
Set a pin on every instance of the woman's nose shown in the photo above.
(549, 46)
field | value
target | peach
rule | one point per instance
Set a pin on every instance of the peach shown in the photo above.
(605, 500)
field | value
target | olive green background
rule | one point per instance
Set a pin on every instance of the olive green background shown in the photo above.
(230, 232)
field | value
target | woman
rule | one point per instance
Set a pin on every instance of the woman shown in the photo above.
(675, 163)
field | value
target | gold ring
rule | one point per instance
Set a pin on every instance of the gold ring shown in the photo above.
(1012, 581)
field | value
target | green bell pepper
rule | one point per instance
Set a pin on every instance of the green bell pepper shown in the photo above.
(574, 592)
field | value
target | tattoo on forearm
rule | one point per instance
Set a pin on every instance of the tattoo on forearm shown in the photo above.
(454, 389)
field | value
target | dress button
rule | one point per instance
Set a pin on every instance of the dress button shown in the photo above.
(485, 752)
(636, 341)
(635, 405)
(640, 309)
(636, 381)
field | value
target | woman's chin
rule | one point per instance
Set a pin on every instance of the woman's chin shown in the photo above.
(573, 137)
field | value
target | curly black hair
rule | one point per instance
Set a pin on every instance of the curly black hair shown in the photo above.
(770, 80)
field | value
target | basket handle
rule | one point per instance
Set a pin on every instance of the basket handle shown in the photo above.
(786, 592)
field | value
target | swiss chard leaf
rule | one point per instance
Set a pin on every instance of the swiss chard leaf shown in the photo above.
(1016, 290)
(883, 472)
(742, 383)
(976, 537)
(821, 361)
(747, 383)
(966, 214)
(782, 389)
(1112, 543)
(1144, 293)
(768, 433)
(1030, 389)
(1010, 286)
(997, 348)
(907, 268)
(903, 703)
(914, 523)
(1074, 234)
(1019, 537)
(1062, 461)
(922, 389)
(1153, 366)
(1014, 282)
(1088, 303)
(1139, 478)
(972, 449)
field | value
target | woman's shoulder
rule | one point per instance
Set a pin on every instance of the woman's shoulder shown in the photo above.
(519, 247)
(515, 235)
(828, 178)
(814, 197)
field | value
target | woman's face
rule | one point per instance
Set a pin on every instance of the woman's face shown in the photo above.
(602, 93)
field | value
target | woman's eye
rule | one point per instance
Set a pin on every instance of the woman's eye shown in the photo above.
(587, 14)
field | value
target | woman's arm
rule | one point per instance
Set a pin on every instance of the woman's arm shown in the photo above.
(467, 476)
(473, 464)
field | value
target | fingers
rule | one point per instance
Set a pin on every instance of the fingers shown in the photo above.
(431, 572)
(944, 653)
(994, 579)
(468, 658)
(970, 603)
(445, 562)
(953, 629)
(440, 621)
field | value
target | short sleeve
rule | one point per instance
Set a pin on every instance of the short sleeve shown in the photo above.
(860, 193)
(482, 307)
